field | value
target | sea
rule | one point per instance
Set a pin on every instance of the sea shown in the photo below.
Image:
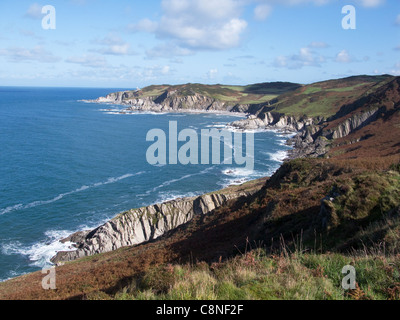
(67, 165)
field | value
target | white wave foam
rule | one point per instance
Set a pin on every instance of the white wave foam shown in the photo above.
(288, 135)
(234, 129)
(278, 156)
(130, 112)
(40, 252)
(113, 113)
(237, 176)
(238, 172)
(169, 182)
(13, 274)
(169, 196)
(110, 110)
(11, 208)
(62, 195)
(176, 115)
(282, 142)
(217, 126)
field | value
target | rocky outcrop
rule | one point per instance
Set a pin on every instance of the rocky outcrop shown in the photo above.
(314, 140)
(141, 225)
(353, 123)
(274, 121)
(314, 135)
(171, 100)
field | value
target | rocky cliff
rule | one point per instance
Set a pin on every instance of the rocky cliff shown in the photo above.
(274, 121)
(316, 135)
(314, 140)
(171, 100)
(141, 225)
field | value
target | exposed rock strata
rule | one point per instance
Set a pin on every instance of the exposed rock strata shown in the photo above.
(141, 225)
(313, 135)
(172, 101)
(314, 140)
(273, 120)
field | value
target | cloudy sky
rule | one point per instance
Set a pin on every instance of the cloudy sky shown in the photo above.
(132, 43)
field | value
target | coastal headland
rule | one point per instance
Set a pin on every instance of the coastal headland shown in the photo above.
(337, 193)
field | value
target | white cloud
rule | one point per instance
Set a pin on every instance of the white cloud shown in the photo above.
(364, 3)
(371, 3)
(262, 12)
(114, 45)
(343, 57)
(154, 72)
(398, 20)
(198, 24)
(92, 61)
(318, 45)
(34, 12)
(167, 50)
(118, 49)
(297, 2)
(304, 58)
(214, 24)
(117, 73)
(19, 54)
(396, 69)
(212, 73)
(281, 62)
(144, 25)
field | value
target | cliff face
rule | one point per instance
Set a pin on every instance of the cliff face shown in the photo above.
(316, 135)
(142, 225)
(353, 123)
(274, 121)
(171, 101)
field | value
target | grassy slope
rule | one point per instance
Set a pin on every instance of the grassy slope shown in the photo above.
(327, 97)
(318, 99)
(251, 94)
(381, 137)
(211, 256)
(257, 276)
(282, 218)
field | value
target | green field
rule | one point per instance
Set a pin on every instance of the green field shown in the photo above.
(251, 94)
(326, 98)
(318, 99)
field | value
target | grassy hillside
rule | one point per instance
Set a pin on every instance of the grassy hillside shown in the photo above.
(288, 241)
(256, 276)
(326, 98)
(323, 99)
(251, 94)
(297, 254)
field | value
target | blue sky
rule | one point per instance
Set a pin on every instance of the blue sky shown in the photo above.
(129, 43)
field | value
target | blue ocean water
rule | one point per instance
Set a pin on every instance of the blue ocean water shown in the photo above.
(67, 165)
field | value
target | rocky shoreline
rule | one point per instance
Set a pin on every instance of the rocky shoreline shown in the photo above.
(313, 137)
(171, 101)
(141, 225)
(149, 223)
